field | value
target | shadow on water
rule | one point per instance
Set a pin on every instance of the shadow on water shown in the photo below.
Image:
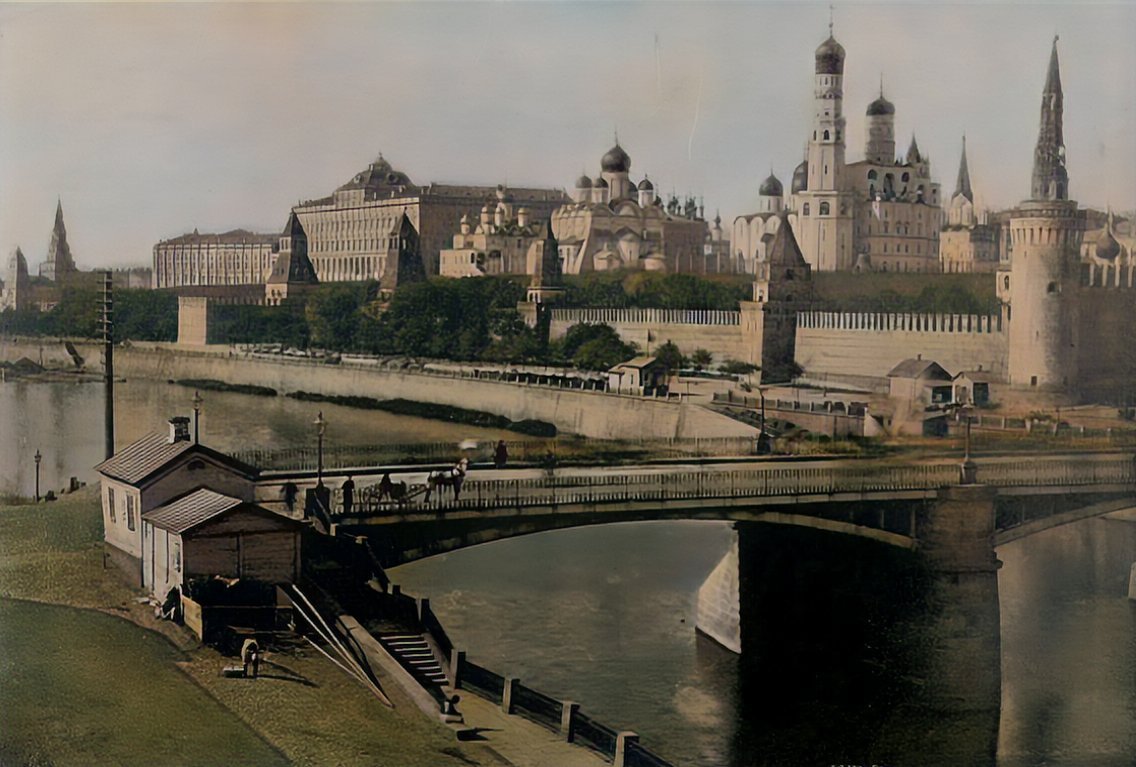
(837, 633)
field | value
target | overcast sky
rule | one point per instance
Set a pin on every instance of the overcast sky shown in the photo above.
(152, 120)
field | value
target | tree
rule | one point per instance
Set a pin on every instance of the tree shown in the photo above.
(602, 354)
(670, 356)
(333, 314)
(701, 359)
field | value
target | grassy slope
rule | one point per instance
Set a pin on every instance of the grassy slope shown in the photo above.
(304, 706)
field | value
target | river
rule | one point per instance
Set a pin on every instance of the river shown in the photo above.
(604, 615)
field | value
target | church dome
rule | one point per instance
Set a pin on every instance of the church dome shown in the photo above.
(600, 184)
(616, 160)
(583, 182)
(1107, 246)
(881, 106)
(830, 57)
(646, 186)
(771, 187)
(801, 178)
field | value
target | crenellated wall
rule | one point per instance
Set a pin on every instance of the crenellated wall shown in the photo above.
(719, 332)
(868, 344)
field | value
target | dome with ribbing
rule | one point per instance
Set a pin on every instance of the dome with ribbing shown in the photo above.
(771, 187)
(646, 186)
(1107, 246)
(616, 160)
(830, 57)
(800, 178)
(583, 182)
(881, 106)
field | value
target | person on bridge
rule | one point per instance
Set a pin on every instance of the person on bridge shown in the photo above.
(348, 492)
(501, 455)
(289, 491)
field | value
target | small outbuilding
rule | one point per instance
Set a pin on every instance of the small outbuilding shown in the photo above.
(206, 534)
(920, 381)
(973, 387)
(643, 375)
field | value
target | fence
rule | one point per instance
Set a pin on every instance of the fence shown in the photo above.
(902, 321)
(597, 315)
(591, 489)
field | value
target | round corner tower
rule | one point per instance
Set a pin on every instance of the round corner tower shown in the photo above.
(1045, 264)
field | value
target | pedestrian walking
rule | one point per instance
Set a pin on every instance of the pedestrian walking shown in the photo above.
(501, 454)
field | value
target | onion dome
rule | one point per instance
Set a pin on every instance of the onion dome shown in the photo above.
(583, 182)
(881, 106)
(771, 187)
(830, 57)
(616, 160)
(600, 183)
(646, 186)
(1107, 246)
(801, 178)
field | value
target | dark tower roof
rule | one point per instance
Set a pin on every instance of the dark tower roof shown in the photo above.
(913, 155)
(293, 265)
(962, 186)
(800, 178)
(881, 106)
(549, 274)
(1107, 246)
(583, 182)
(59, 259)
(645, 185)
(784, 250)
(616, 160)
(830, 57)
(771, 187)
(1050, 178)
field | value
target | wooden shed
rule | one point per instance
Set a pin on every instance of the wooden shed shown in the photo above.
(205, 533)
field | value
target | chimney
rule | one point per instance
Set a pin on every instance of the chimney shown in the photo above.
(179, 429)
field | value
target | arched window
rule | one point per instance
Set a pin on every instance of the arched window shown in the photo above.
(826, 136)
(824, 209)
(805, 210)
(906, 177)
(872, 175)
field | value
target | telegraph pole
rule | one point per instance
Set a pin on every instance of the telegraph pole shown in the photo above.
(107, 321)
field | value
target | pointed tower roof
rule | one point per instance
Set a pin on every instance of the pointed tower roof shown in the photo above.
(1053, 75)
(59, 261)
(293, 264)
(913, 156)
(962, 186)
(784, 250)
(1050, 179)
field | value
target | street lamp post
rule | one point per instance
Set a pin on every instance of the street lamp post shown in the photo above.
(968, 470)
(38, 458)
(321, 427)
(197, 400)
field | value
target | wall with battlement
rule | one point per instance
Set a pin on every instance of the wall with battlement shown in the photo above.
(866, 345)
(719, 332)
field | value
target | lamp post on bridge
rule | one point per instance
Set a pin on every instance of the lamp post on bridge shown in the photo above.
(38, 457)
(197, 400)
(762, 442)
(321, 427)
(968, 470)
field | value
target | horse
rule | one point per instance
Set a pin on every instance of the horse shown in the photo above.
(447, 478)
(394, 491)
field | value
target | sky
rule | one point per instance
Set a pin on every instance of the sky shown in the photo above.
(151, 120)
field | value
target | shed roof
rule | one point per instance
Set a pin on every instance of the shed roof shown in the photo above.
(642, 361)
(191, 510)
(920, 368)
(140, 460)
(977, 376)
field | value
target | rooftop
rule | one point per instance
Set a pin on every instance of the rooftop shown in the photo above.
(191, 510)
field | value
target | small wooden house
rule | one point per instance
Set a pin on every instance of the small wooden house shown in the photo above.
(205, 533)
(151, 472)
(640, 375)
(920, 381)
(973, 387)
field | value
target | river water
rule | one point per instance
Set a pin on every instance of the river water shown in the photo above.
(604, 616)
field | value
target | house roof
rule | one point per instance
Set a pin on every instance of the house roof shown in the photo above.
(977, 376)
(920, 368)
(642, 361)
(191, 510)
(140, 460)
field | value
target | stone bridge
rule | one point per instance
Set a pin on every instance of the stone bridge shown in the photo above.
(884, 501)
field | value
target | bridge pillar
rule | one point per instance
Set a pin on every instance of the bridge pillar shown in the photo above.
(718, 612)
(1132, 583)
(957, 541)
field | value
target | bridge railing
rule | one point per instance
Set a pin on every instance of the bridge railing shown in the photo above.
(557, 490)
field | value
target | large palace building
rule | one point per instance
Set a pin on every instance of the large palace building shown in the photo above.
(353, 231)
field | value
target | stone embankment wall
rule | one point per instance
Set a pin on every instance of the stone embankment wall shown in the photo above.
(868, 345)
(591, 414)
(719, 332)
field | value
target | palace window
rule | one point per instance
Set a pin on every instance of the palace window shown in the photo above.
(824, 208)
(805, 210)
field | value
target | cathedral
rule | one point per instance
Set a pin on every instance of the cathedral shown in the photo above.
(881, 213)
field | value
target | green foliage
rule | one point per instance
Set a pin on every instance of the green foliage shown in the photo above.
(701, 359)
(145, 315)
(593, 347)
(334, 313)
(737, 367)
(284, 325)
(898, 292)
(669, 355)
(655, 290)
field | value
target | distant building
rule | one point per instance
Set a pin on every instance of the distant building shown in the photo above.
(292, 273)
(643, 375)
(614, 223)
(967, 245)
(133, 277)
(753, 233)
(238, 257)
(16, 293)
(60, 265)
(504, 241)
(354, 231)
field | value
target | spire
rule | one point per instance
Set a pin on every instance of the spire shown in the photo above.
(59, 261)
(962, 186)
(59, 229)
(1050, 179)
(913, 156)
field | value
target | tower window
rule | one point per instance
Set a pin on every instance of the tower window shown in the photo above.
(805, 210)
(824, 208)
(1051, 288)
(826, 136)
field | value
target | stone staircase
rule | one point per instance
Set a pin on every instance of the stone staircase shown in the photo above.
(416, 656)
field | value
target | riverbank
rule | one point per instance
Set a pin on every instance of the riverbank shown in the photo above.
(304, 709)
